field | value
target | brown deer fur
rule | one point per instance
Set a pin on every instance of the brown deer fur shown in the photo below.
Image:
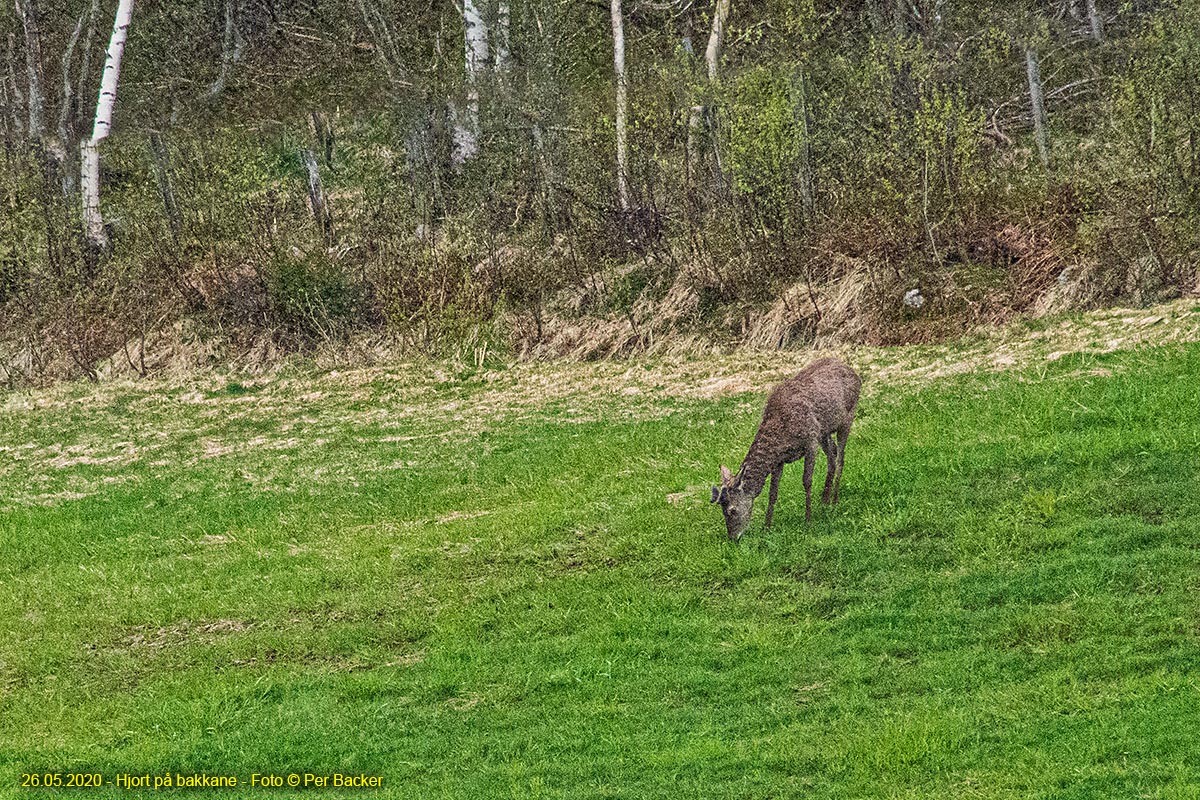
(802, 415)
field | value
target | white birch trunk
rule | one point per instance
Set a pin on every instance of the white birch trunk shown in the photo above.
(475, 58)
(1095, 23)
(1038, 106)
(622, 110)
(316, 195)
(501, 37)
(93, 221)
(716, 38)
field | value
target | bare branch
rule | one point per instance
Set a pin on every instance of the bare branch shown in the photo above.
(64, 114)
(27, 9)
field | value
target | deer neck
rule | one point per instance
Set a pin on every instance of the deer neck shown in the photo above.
(756, 468)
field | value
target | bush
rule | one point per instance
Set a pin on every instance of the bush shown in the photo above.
(310, 298)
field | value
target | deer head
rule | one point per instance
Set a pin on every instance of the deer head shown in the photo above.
(736, 503)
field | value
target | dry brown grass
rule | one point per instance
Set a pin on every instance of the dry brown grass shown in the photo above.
(190, 419)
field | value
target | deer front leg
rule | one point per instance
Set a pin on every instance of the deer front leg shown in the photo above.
(775, 476)
(810, 459)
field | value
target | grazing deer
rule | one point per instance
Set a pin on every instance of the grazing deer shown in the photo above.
(802, 415)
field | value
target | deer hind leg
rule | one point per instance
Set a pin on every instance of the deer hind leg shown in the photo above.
(842, 436)
(831, 463)
(810, 458)
(775, 476)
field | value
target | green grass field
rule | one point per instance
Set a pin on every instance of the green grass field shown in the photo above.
(339, 575)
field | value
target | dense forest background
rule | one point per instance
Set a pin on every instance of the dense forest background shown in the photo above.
(587, 178)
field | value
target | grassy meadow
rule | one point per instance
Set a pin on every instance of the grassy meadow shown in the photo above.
(475, 594)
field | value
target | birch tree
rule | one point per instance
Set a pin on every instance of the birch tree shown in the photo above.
(475, 58)
(701, 112)
(716, 39)
(622, 103)
(316, 195)
(1038, 106)
(93, 221)
(1095, 23)
(502, 37)
(52, 150)
(69, 113)
(233, 46)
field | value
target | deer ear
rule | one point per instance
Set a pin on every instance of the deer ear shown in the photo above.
(716, 493)
(725, 474)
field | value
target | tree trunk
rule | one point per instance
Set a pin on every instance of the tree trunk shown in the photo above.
(475, 52)
(323, 135)
(90, 148)
(89, 182)
(68, 91)
(807, 173)
(162, 171)
(15, 98)
(695, 135)
(27, 9)
(423, 175)
(622, 110)
(1038, 106)
(68, 116)
(502, 34)
(549, 178)
(1095, 22)
(716, 39)
(316, 196)
(85, 69)
(232, 47)
(701, 115)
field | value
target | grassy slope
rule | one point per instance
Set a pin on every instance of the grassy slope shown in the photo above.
(1004, 605)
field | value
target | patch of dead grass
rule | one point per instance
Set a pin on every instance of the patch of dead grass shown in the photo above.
(184, 632)
(307, 411)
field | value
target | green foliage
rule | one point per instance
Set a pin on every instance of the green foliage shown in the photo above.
(311, 297)
(1157, 116)
(766, 140)
(893, 138)
(915, 166)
